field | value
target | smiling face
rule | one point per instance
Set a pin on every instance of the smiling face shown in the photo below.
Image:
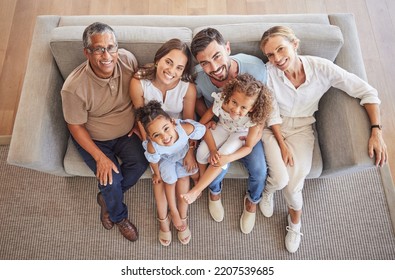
(239, 105)
(162, 131)
(281, 52)
(171, 67)
(215, 61)
(103, 65)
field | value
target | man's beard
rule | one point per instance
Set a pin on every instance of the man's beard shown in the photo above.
(225, 77)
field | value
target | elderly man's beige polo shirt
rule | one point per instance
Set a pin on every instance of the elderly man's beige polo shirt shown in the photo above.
(102, 105)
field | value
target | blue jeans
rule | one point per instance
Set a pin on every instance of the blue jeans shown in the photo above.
(255, 163)
(131, 153)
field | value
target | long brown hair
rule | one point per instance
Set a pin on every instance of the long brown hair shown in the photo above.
(149, 71)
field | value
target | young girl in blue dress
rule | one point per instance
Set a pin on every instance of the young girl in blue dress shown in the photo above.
(168, 79)
(165, 148)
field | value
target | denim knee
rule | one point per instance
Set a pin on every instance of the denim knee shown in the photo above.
(216, 185)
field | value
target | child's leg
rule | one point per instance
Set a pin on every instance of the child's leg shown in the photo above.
(202, 169)
(220, 135)
(202, 153)
(229, 143)
(232, 143)
(195, 177)
(161, 204)
(209, 175)
(182, 186)
(171, 200)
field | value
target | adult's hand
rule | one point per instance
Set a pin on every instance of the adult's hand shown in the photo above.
(378, 148)
(286, 155)
(104, 168)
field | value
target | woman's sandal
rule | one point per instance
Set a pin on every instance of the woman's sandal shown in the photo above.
(184, 235)
(165, 236)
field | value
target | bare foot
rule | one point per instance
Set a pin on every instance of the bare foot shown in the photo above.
(191, 196)
(184, 234)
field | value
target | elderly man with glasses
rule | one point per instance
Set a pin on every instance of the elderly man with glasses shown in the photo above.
(99, 114)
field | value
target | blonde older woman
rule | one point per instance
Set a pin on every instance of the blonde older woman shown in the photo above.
(298, 83)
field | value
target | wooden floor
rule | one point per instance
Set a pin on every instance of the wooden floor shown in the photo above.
(375, 21)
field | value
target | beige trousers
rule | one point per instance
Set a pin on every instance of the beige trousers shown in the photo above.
(298, 135)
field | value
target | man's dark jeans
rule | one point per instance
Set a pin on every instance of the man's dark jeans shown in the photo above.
(133, 164)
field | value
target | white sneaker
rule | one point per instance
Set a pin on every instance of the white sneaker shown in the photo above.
(216, 209)
(267, 204)
(292, 239)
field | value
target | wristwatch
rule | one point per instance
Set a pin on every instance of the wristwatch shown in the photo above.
(379, 126)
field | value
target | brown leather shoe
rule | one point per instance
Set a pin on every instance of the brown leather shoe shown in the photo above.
(104, 216)
(128, 230)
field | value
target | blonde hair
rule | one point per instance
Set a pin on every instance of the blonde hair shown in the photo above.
(278, 30)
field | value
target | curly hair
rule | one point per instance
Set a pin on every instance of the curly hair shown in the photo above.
(251, 87)
(150, 112)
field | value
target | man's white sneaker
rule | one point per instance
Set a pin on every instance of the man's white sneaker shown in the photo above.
(266, 204)
(292, 239)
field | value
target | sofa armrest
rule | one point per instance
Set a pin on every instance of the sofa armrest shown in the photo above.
(40, 134)
(342, 123)
(343, 129)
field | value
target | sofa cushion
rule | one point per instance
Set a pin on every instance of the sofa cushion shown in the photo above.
(322, 40)
(75, 165)
(142, 41)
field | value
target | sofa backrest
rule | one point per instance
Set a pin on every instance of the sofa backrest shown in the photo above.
(320, 39)
(142, 41)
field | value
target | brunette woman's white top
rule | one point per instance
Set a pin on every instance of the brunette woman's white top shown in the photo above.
(173, 104)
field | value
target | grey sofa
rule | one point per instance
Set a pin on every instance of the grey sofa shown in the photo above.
(40, 138)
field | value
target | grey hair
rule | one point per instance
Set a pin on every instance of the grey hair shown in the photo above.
(96, 28)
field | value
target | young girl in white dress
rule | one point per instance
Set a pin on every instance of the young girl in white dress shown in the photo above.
(242, 109)
(232, 126)
(166, 146)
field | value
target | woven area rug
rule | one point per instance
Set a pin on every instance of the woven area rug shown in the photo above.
(55, 218)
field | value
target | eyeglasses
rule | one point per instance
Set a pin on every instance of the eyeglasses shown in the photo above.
(100, 50)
